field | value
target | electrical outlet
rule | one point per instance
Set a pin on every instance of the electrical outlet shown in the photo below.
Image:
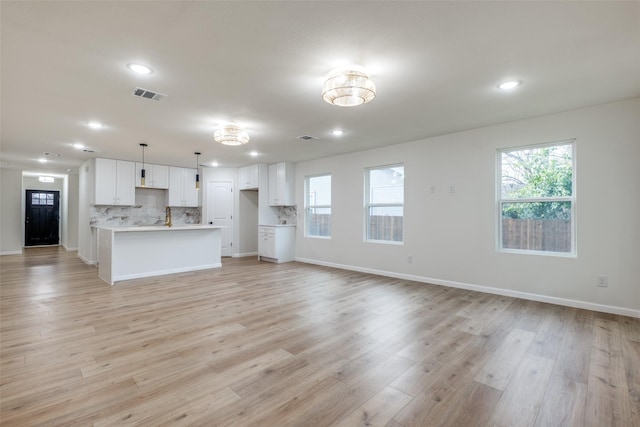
(410, 259)
(603, 281)
(433, 189)
(452, 189)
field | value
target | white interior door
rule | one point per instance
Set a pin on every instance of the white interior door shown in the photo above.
(220, 211)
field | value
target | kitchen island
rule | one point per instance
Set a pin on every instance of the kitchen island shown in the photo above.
(141, 251)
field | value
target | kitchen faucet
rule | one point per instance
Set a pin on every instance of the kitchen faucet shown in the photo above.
(167, 216)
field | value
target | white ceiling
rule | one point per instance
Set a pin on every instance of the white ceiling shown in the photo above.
(261, 64)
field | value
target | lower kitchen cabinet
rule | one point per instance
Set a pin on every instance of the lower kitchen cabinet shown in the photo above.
(276, 243)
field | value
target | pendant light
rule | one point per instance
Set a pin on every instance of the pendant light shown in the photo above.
(197, 170)
(142, 172)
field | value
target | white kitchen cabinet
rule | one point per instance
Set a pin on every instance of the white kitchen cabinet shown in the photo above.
(156, 176)
(114, 182)
(276, 243)
(248, 177)
(281, 182)
(182, 187)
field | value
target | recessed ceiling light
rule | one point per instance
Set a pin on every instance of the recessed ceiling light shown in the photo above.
(337, 132)
(41, 160)
(253, 154)
(95, 125)
(509, 84)
(139, 68)
(78, 146)
(214, 164)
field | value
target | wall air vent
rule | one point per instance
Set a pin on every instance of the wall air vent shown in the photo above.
(149, 94)
(307, 137)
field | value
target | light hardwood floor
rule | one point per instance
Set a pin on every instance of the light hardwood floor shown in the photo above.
(258, 344)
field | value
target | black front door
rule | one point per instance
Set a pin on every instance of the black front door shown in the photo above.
(42, 215)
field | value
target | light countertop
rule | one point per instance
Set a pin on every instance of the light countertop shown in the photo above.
(276, 225)
(162, 227)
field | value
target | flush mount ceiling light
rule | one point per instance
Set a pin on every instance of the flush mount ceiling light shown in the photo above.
(139, 68)
(509, 84)
(348, 88)
(231, 135)
(337, 132)
(78, 146)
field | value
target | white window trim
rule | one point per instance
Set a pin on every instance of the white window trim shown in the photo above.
(368, 205)
(500, 201)
(307, 206)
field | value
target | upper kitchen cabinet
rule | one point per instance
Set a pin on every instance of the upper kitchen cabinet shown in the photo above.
(115, 182)
(281, 181)
(248, 177)
(156, 176)
(182, 187)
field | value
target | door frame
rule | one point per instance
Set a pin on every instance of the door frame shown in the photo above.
(26, 194)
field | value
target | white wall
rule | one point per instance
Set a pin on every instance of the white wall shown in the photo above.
(71, 236)
(10, 211)
(87, 250)
(452, 237)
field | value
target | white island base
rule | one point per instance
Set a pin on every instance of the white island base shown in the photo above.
(132, 252)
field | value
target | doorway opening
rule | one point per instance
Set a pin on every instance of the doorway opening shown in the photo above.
(42, 218)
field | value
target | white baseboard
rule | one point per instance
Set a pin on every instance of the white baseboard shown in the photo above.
(485, 289)
(11, 252)
(69, 249)
(87, 261)
(244, 254)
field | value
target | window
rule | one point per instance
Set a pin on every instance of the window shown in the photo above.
(536, 199)
(384, 203)
(318, 206)
(42, 199)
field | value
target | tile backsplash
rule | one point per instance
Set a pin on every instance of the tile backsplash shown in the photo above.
(287, 215)
(140, 215)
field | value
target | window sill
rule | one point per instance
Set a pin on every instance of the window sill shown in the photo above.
(538, 253)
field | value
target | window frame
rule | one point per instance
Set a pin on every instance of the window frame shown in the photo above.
(500, 200)
(308, 206)
(368, 205)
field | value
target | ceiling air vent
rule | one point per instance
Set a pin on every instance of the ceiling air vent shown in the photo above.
(149, 94)
(307, 137)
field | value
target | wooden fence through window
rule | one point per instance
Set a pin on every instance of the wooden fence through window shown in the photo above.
(381, 228)
(526, 234)
(536, 234)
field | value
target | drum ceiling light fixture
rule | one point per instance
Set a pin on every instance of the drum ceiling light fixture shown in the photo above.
(231, 135)
(348, 88)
